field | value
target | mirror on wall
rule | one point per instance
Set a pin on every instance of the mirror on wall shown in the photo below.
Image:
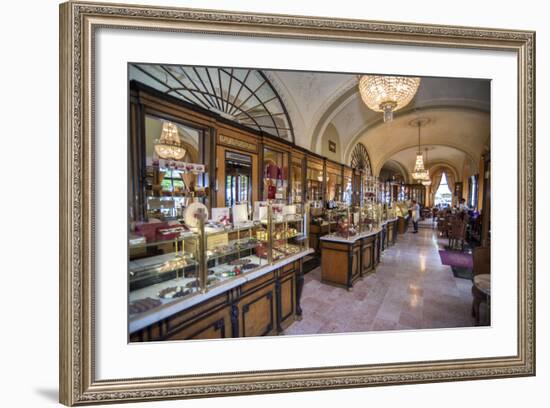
(334, 186)
(314, 185)
(169, 188)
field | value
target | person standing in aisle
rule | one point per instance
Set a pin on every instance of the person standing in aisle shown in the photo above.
(415, 209)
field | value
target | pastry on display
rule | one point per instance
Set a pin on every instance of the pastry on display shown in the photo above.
(242, 261)
(174, 292)
(195, 283)
(143, 305)
(261, 251)
(171, 265)
(290, 249)
(249, 266)
(261, 235)
(213, 226)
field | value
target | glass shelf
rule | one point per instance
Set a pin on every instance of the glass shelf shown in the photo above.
(190, 235)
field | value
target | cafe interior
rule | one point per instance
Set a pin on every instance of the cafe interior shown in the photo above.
(268, 202)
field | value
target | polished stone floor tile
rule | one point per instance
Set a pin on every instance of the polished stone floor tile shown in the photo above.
(411, 289)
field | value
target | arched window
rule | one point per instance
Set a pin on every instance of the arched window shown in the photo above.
(443, 195)
(360, 159)
(244, 96)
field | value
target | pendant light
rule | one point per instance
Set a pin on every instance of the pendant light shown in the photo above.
(169, 145)
(387, 94)
(419, 173)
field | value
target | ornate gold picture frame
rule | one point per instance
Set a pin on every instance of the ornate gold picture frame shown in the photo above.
(78, 25)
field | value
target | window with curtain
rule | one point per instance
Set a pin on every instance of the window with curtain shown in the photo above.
(443, 195)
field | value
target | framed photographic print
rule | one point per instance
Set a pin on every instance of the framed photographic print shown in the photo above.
(372, 148)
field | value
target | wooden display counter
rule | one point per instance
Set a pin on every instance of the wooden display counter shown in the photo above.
(263, 303)
(391, 232)
(345, 260)
(402, 224)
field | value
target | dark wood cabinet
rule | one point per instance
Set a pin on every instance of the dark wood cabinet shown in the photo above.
(340, 263)
(257, 312)
(391, 233)
(286, 296)
(367, 255)
(263, 306)
(216, 325)
(402, 224)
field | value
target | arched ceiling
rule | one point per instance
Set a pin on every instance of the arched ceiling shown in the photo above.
(458, 136)
(307, 95)
(458, 109)
(316, 100)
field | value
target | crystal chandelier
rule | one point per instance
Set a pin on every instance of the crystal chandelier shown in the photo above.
(387, 93)
(169, 145)
(428, 181)
(419, 173)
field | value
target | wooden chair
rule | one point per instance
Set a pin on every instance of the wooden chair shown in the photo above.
(482, 265)
(442, 223)
(457, 233)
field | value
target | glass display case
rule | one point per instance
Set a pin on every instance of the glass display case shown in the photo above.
(286, 228)
(275, 174)
(234, 251)
(161, 267)
(401, 209)
(348, 187)
(345, 221)
(296, 184)
(171, 261)
(370, 190)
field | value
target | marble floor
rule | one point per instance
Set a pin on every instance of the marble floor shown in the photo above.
(411, 289)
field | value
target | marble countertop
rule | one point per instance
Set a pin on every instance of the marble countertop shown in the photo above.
(173, 306)
(351, 240)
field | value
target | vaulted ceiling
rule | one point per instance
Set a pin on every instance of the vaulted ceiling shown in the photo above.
(458, 110)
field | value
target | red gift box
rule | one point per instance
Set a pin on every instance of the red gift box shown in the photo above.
(166, 233)
(149, 230)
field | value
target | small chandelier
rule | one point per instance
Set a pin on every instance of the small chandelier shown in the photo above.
(387, 93)
(419, 173)
(169, 146)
